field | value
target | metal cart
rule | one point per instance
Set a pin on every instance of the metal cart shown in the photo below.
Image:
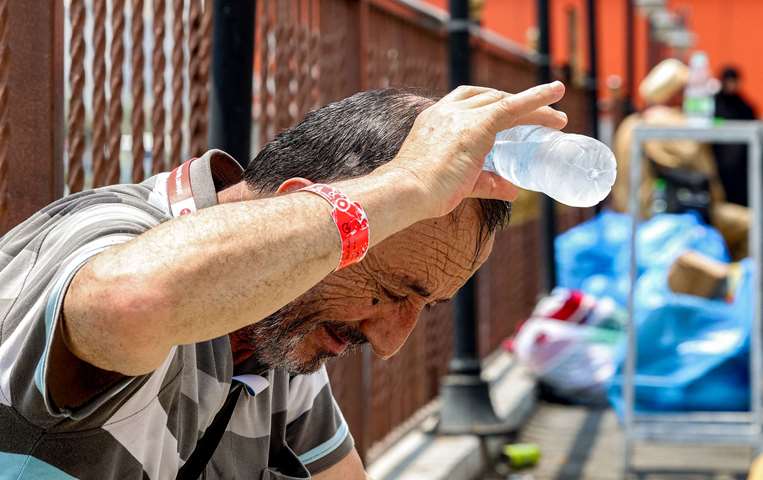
(744, 428)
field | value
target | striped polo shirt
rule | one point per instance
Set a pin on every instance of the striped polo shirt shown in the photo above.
(283, 426)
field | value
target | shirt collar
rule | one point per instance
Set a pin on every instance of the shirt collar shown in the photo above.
(210, 173)
(254, 384)
(194, 184)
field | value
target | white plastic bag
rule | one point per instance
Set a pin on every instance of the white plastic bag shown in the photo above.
(576, 361)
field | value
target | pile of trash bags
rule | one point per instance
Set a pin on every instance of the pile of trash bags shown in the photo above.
(692, 311)
(570, 342)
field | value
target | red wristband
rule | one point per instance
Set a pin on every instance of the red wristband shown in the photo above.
(350, 220)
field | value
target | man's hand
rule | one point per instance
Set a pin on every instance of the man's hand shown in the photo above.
(446, 148)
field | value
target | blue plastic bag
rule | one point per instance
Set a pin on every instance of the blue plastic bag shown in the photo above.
(595, 256)
(614, 287)
(592, 249)
(663, 238)
(692, 351)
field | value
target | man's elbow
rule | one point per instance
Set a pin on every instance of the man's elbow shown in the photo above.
(116, 326)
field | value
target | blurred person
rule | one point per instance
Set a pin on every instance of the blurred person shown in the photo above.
(661, 90)
(144, 325)
(732, 158)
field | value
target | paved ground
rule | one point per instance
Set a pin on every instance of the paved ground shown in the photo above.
(577, 443)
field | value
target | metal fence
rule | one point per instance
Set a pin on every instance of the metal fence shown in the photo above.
(136, 77)
(137, 81)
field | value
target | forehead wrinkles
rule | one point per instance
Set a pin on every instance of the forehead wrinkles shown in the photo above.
(446, 246)
(438, 254)
(349, 282)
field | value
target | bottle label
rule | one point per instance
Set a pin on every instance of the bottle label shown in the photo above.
(699, 106)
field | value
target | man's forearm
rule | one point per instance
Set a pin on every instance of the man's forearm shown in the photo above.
(205, 275)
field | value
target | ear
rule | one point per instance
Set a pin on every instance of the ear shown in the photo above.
(293, 184)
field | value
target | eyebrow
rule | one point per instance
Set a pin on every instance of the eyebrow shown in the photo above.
(423, 292)
(418, 289)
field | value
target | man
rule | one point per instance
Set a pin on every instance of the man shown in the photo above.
(136, 316)
(732, 158)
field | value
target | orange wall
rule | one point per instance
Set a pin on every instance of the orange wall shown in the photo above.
(730, 31)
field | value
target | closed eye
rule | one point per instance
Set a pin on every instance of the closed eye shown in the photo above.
(393, 296)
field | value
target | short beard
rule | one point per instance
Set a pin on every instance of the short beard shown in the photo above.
(275, 337)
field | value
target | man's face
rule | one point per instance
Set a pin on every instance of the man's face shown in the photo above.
(376, 301)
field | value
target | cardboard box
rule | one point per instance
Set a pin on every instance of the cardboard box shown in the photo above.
(696, 274)
(733, 221)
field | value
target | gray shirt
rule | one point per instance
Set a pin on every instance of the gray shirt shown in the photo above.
(283, 426)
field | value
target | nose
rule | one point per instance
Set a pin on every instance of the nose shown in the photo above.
(389, 330)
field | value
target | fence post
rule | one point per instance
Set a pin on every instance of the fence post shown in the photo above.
(548, 215)
(593, 68)
(466, 407)
(232, 64)
(630, 58)
(31, 107)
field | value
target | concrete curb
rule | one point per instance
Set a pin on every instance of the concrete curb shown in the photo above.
(419, 455)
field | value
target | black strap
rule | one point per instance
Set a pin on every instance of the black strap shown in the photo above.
(207, 444)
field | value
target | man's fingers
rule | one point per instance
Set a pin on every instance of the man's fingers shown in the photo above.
(492, 186)
(465, 91)
(484, 98)
(546, 116)
(510, 109)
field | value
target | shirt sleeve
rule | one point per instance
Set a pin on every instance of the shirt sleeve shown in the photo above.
(316, 429)
(52, 319)
(48, 250)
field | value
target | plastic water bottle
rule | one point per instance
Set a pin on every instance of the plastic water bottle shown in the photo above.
(699, 104)
(572, 169)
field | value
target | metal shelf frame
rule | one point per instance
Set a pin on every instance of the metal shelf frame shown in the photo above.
(743, 428)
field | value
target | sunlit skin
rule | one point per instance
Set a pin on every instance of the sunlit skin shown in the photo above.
(378, 300)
